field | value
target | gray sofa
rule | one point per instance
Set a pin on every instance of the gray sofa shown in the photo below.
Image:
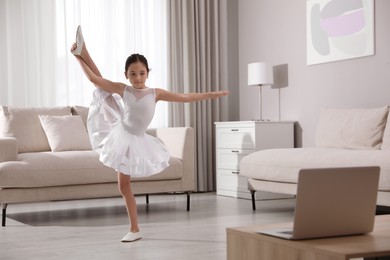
(36, 166)
(344, 137)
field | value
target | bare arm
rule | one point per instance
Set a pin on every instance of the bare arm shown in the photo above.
(164, 95)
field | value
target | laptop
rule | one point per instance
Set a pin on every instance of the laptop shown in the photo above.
(333, 202)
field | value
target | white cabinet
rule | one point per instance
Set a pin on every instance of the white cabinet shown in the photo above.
(235, 140)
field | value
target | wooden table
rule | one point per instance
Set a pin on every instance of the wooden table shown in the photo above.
(243, 243)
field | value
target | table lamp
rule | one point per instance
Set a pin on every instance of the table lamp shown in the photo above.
(260, 74)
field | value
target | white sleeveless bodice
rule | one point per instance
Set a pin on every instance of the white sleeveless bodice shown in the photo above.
(139, 106)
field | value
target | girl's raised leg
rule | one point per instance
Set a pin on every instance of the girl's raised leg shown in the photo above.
(83, 52)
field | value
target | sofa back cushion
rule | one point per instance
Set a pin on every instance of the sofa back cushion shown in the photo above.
(386, 135)
(24, 125)
(82, 112)
(351, 128)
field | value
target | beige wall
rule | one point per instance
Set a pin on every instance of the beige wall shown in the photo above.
(275, 31)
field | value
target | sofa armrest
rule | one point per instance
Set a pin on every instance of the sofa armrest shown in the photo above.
(8, 149)
(180, 142)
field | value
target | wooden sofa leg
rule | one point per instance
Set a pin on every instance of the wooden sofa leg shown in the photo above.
(147, 198)
(253, 199)
(4, 213)
(188, 200)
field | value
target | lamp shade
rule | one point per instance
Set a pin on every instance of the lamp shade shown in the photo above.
(260, 73)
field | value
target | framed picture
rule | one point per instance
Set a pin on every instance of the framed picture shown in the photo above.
(339, 30)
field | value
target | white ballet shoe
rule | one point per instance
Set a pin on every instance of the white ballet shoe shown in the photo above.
(79, 41)
(131, 237)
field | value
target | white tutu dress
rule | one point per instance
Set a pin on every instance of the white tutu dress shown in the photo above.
(117, 131)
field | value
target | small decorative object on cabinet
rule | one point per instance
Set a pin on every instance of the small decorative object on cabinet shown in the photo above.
(235, 140)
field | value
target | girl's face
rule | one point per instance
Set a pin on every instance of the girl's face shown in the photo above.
(137, 75)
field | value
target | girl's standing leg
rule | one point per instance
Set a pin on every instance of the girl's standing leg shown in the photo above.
(131, 206)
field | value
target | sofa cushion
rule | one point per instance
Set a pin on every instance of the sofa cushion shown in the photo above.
(8, 149)
(283, 164)
(24, 125)
(82, 112)
(65, 133)
(386, 135)
(351, 128)
(47, 169)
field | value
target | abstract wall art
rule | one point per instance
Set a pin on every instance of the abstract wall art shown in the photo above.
(339, 30)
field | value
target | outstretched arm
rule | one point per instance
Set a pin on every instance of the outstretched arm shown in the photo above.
(164, 95)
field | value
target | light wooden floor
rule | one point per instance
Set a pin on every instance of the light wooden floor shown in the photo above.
(92, 229)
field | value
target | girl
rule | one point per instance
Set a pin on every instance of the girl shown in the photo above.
(119, 133)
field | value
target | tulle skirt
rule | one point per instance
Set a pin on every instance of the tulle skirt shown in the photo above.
(140, 155)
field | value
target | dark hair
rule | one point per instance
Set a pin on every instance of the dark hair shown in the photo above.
(136, 58)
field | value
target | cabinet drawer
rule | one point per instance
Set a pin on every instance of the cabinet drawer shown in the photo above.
(230, 180)
(230, 158)
(236, 137)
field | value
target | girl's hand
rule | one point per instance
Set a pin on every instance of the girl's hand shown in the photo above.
(74, 46)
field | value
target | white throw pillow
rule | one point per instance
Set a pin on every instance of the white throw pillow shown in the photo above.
(351, 128)
(65, 133)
